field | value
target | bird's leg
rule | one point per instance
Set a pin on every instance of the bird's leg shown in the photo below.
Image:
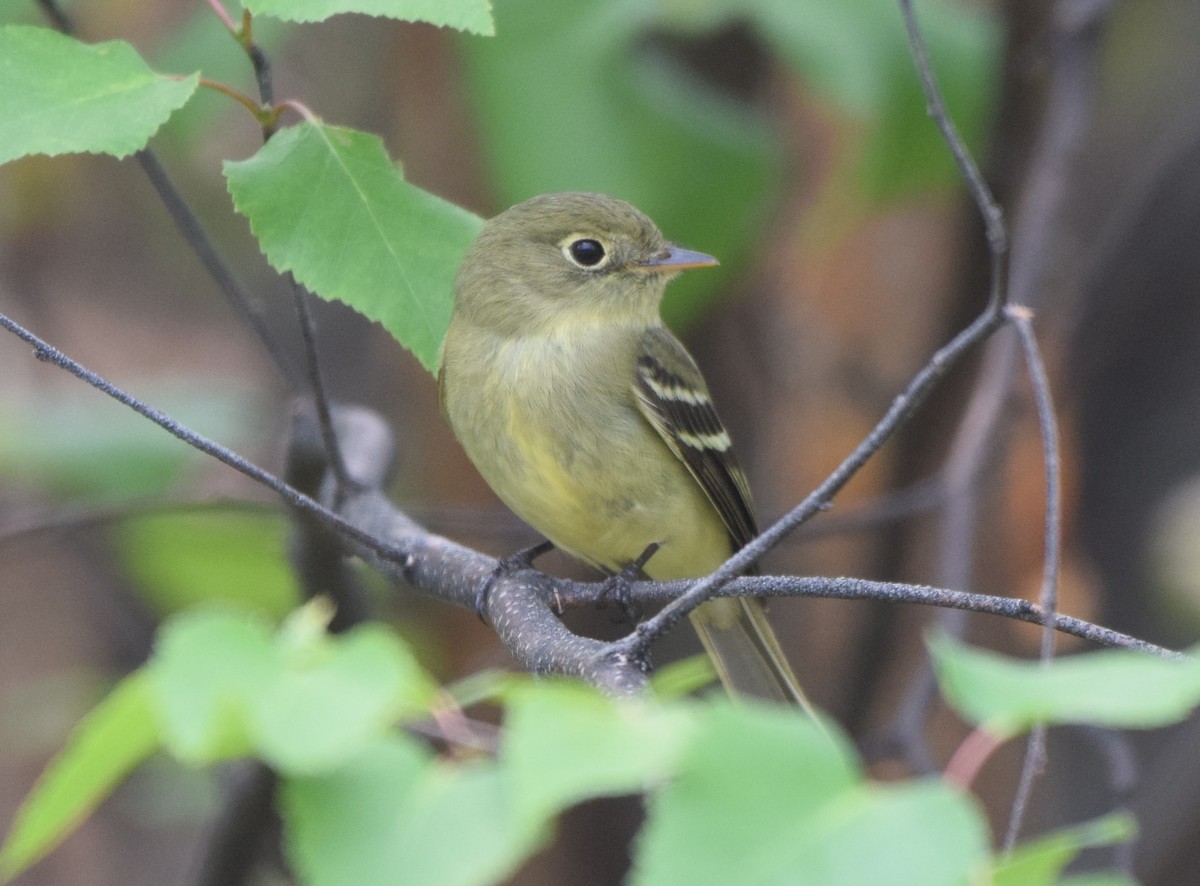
(522, 559)
(617, 587)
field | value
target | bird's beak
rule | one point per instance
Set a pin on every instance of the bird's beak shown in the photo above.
(676, 258)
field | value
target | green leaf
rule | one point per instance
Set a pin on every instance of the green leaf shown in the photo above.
(108, 743)
(60, 96)
(465, 15)
(302, 700)
(333, 696)
(209, 667)
(564, 743)
(1042, 861)
(764, 796)
(327, 204)
(1122, 689)
(393, 814)
(184, 559)
(342, 827)
(907, 834)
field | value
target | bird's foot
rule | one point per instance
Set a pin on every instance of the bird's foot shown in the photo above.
(618, 587)
(522, 559)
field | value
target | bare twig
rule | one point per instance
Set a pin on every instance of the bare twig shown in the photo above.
(901, 410)
(993, 216)
(960, 510)
(193, 232)
(246, 816)
(316, 381)
(1035, 745)
(191, 229)
(312, 364)
(1076, 26)
(979, 441)
(59, 520)
(905, 405)
(57, 15)
(572, 594)
(520, 604)
(49, 354)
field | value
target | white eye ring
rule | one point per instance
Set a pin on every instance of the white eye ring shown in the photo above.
(586, 252)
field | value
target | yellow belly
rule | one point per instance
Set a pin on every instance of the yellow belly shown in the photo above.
(588, 472)
(608, 513)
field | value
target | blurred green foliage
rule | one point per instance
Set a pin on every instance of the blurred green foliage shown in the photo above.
(746, 793)
(80, 445)
(594, 95)
(573, 94)
(184, 559)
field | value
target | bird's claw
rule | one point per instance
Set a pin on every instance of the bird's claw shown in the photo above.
(619, 587)
(522, 559)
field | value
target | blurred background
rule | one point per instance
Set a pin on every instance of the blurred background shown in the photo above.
(789, 139)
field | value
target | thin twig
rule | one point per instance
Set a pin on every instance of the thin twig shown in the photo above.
(57, 15)
(583, 594)
(1035, 746)
(86, 517)
(245, 817)
(901, 410)
(316, 381)
(904, 406)
(50, 354)
(980, 439)
(993, 216)
(308, 330)
(193, 232)
(261, 65)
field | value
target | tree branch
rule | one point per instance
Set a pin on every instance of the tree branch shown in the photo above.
(523, 604)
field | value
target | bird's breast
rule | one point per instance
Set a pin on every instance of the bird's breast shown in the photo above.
(552, 425)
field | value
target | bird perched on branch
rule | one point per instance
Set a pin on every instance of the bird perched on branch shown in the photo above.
(590, 419)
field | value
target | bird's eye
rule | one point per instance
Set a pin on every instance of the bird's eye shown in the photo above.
(586, 252)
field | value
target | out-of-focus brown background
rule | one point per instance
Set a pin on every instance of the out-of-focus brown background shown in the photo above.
(837, 302)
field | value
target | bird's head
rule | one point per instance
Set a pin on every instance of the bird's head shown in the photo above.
(572, 259)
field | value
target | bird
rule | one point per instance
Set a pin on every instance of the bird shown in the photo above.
(590, 419)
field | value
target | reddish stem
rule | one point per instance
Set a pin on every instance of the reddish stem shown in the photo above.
(975, 750)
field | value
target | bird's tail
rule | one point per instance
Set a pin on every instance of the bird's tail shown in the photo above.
(745, 652)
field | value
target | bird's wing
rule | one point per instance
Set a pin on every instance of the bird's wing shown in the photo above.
(673, 397)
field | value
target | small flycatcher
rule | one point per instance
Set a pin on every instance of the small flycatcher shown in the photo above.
(589, 418)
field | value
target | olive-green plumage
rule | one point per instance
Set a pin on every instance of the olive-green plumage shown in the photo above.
(588, 417)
